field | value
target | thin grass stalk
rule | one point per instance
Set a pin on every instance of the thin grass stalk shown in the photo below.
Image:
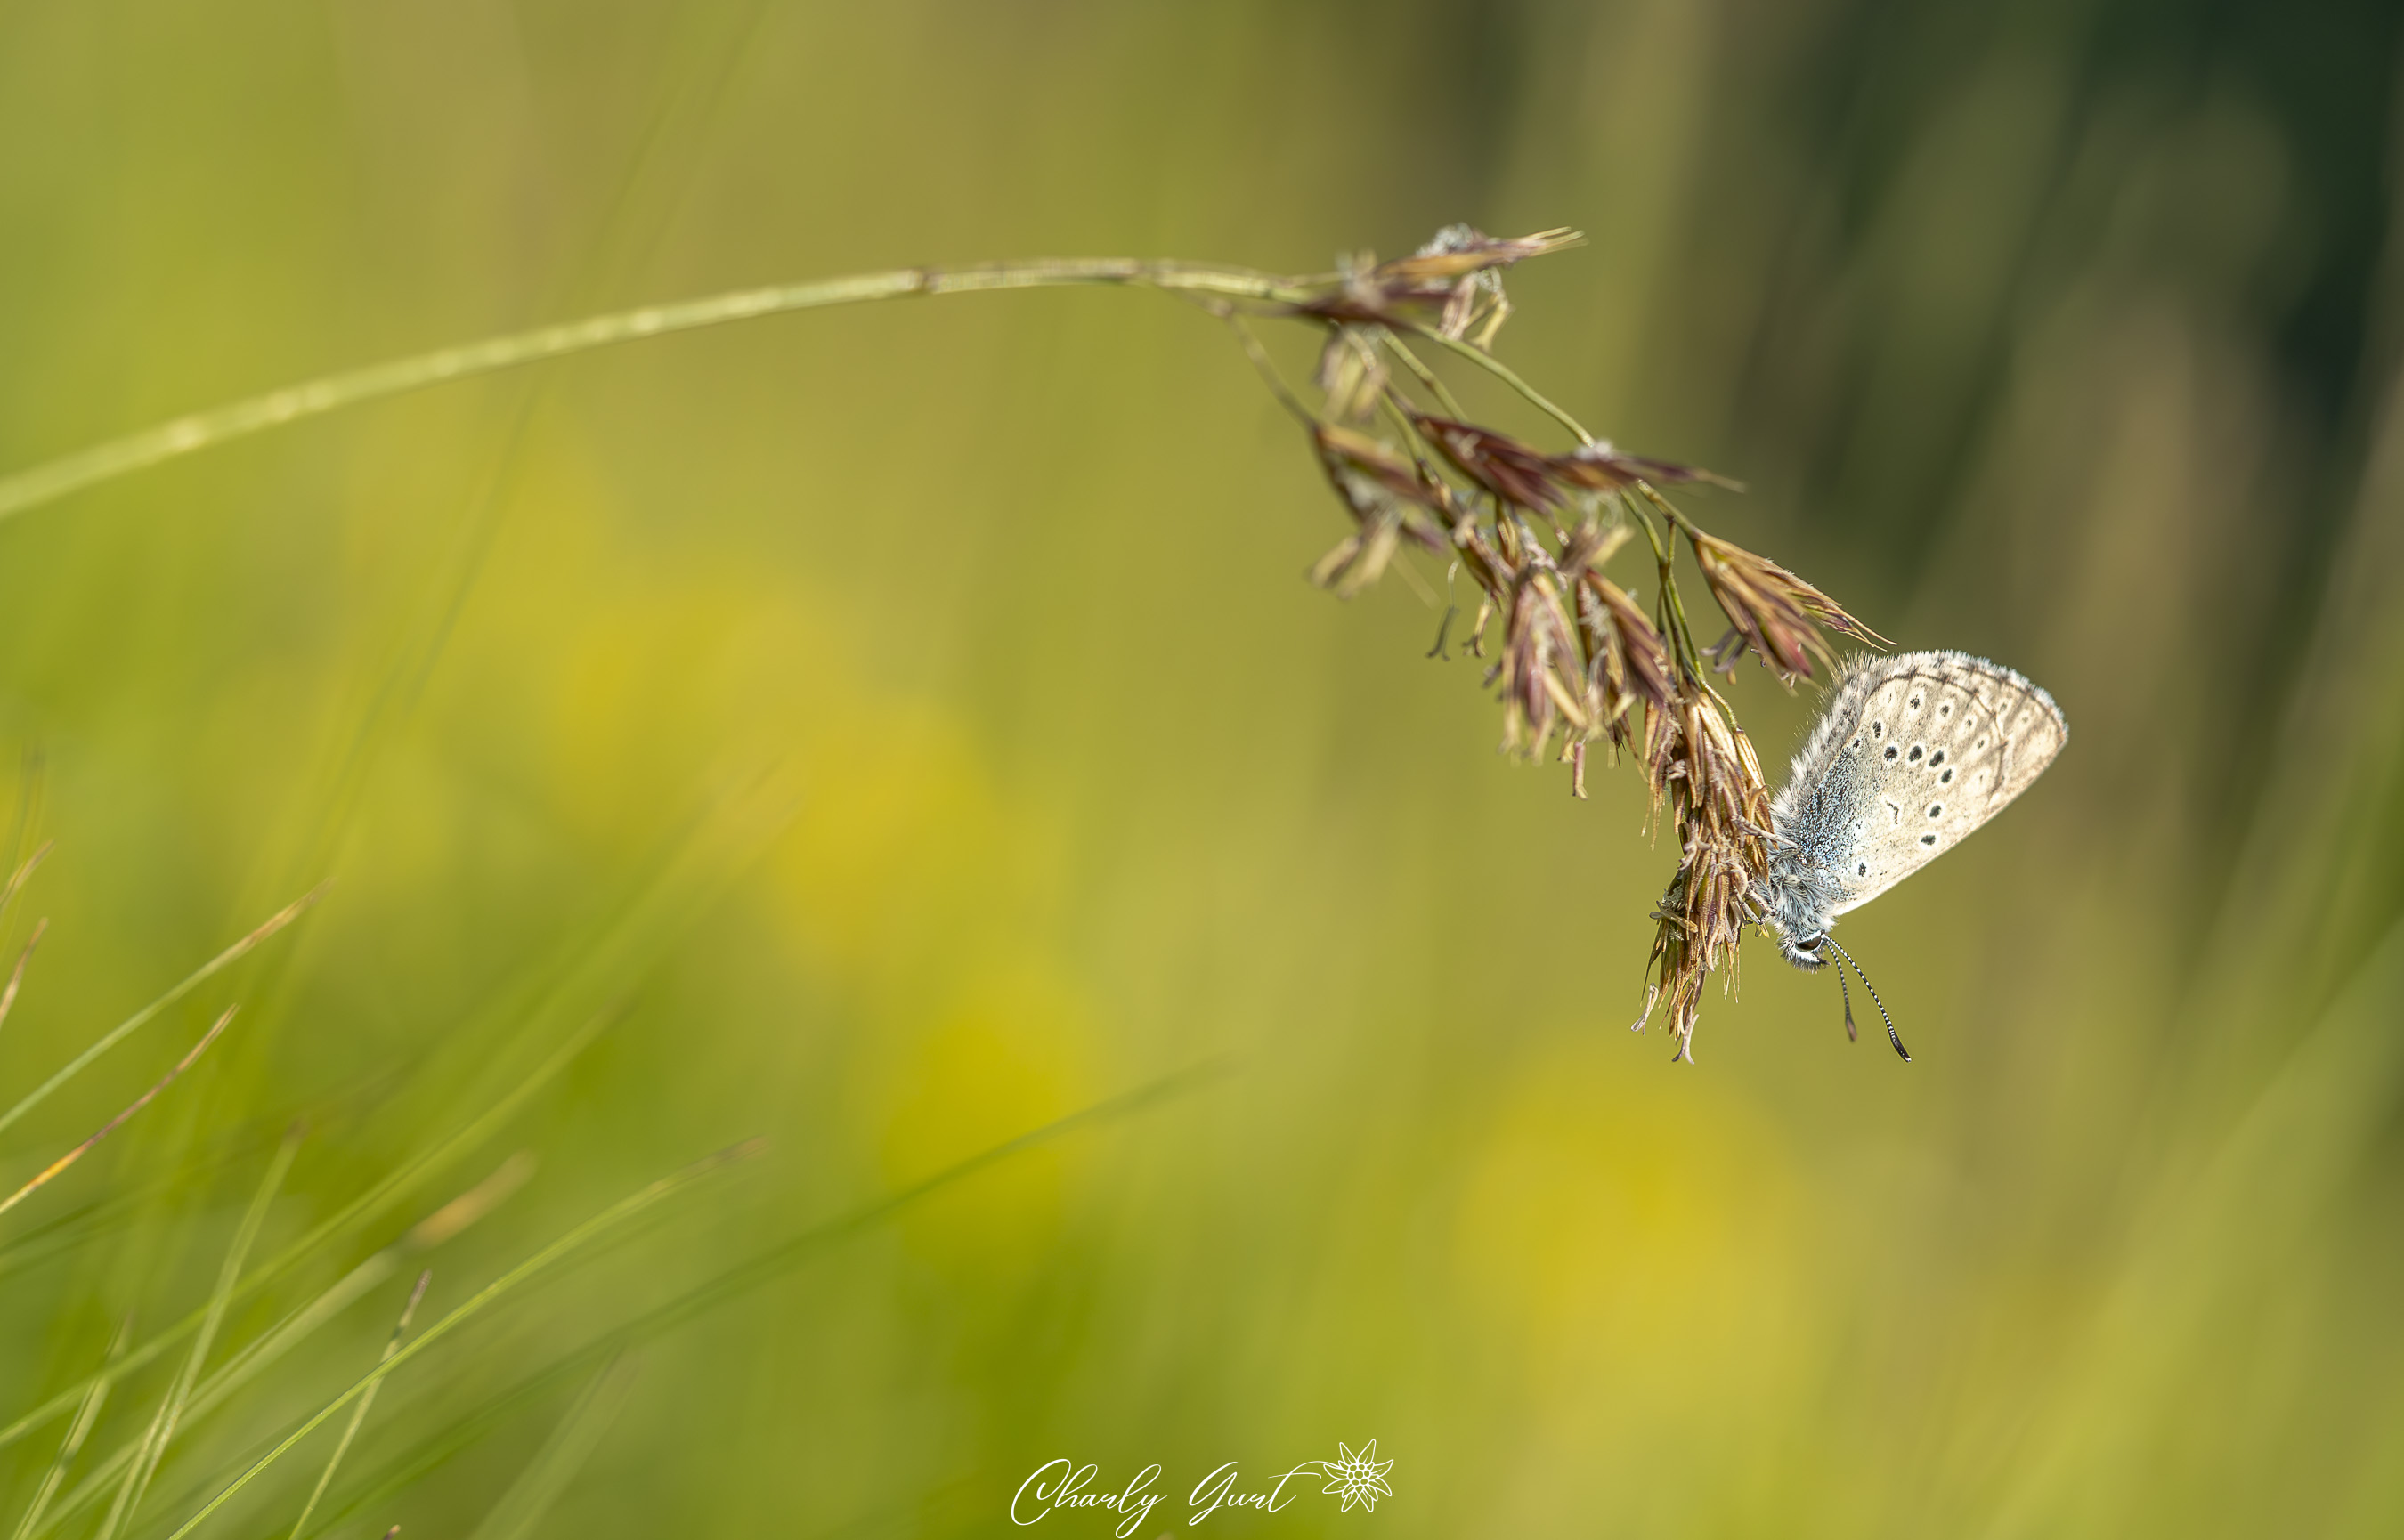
(276, 1340)
(77, 1227)
(82, 1225)
(16, 974)
(29, 803)
(199, 976)
(132, 1473)
(1426, 377)
(609, 1218)
(563, 1454)
(1492, 366)
(24, 871)
(16, 885)
(427, 1233)
(85, 1222)
(56, 478)
(367, 1206)
(763, 1268)
(170, 1410)
(77, 1431)
(51, 1170)
(359, 1412)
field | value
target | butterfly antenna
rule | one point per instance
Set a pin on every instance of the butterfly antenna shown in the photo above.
(1844, 990)
(1891, 1035)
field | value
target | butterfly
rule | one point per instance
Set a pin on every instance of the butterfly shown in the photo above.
(1913, 753)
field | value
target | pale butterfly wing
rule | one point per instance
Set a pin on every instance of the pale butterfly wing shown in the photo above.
(1915, 752)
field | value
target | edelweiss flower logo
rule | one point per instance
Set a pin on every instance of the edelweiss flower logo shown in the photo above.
(1357, 1477)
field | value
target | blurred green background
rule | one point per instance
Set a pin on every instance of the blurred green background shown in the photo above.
(902, 726)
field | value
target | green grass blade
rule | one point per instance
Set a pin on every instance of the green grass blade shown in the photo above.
(271, 1344)
(616, 950)
(389, 1191)
(47, 1174)
(16, 885)
(359, 1412)
(609, 1218)
(427, 1233)
(77, 1431)
(170, 1410)
(16, 881)
(94, 1218)
(132, 1468)
(748, 1275)
(78, 1227)
(131, 1024)
(562, 1455)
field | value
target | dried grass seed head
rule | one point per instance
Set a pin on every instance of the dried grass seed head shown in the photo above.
(1453, 283)
(1515, 472)
(1542, 671)
(1518, 472)
(1633, 661)
(1353, 375)
(1772, 613)
(1598, 465)
(1579, 657)
(1389, 499)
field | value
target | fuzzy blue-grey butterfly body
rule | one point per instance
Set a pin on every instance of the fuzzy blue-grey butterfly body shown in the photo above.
(1913, 753)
